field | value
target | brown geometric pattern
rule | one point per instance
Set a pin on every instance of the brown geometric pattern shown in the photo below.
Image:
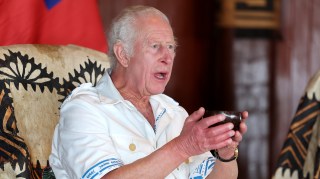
(24, 72)
(12, 147)
(304, 130)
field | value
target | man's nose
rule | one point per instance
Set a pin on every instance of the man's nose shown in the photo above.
(167, 55)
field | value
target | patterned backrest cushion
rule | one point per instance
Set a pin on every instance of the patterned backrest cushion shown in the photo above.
(34, 80)
(300, 154)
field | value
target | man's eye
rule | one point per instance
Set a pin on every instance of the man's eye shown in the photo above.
(171, 47)
(155, 46)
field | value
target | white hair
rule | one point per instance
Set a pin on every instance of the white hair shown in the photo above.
(123, 28)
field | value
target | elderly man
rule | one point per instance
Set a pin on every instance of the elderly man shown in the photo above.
(126, 128)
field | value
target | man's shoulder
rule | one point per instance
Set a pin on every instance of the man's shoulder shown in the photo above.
(85, 91)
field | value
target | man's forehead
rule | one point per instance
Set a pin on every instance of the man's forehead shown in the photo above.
(155, 35)
(159, 36)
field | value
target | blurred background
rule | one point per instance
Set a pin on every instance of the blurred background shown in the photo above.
(254, 55)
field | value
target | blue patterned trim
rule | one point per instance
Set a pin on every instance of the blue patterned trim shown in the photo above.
(157, 118)
(161, 114)
(204, 169)
(100, 167)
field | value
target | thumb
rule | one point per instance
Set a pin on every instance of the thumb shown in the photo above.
(196, 115)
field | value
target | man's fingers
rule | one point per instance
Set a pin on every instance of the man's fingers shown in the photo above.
(237, 137)
(218, 136)
(243, 128)
(196, 115)
(221, 129)
(222, 135)
(245, 115)
(208, 121)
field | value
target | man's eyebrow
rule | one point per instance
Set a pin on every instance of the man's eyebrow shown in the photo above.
(175, 39)
(175, 43)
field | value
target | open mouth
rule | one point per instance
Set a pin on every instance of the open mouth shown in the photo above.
(161, 75)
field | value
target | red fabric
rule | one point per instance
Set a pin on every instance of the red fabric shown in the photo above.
(67, 22)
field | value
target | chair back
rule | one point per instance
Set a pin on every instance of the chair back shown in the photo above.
(34, 80)
(300, 154)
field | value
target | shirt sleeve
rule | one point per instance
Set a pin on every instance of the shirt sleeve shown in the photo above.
(84, 144)
(201, 166)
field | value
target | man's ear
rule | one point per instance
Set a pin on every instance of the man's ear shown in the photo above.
(121, 54)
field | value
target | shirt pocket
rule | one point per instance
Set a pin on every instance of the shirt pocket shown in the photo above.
(132, 148)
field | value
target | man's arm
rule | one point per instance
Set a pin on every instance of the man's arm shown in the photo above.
(159, 164)
(195, 138)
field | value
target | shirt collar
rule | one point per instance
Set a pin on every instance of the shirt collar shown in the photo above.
(106, 89)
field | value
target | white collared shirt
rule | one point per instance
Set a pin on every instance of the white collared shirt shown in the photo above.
(99, 131)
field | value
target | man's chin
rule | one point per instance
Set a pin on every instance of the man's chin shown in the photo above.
(158, 91)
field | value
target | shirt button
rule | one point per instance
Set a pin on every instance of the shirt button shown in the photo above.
(132, 147)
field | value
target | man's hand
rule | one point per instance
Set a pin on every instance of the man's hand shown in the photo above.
(196, 137)
(228, 151)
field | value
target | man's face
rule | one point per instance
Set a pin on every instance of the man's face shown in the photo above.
(150, 66)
